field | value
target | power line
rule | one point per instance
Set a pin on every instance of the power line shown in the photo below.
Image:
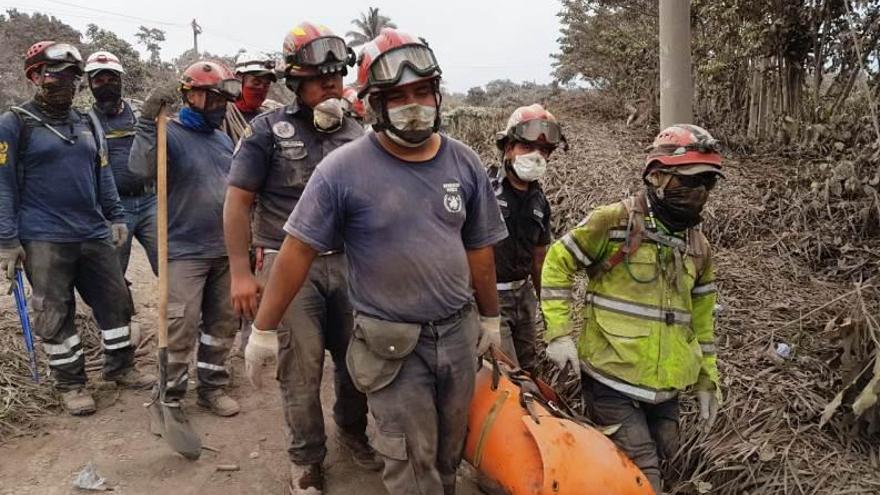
(141, 19)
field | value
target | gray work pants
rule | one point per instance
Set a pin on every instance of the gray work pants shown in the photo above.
(54, 269)
(199, 310)
(319, 318)
(518, 309)
(648, 432)
(421, 417)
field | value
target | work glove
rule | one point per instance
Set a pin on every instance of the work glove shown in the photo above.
(262, 346)
(10, 259)
(490, 333)
(562, 351)
(167, 94)
(708, 407)
(119, 234)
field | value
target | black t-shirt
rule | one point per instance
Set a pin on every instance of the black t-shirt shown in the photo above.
(527, 215)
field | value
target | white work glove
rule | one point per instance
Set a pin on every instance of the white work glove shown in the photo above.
(262, 346)
(562, 351)
(490, 333)
(708, 407)
(119, 234)
(10, 259)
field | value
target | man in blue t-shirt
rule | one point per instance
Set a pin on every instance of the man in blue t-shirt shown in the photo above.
(418, 219)
(199, 156)
(118, 116)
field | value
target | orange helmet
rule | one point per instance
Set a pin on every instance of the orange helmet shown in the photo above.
(687, 146)
(312, 50)
(211, 76)
(55, 56)
(531, 124)
(395, 58)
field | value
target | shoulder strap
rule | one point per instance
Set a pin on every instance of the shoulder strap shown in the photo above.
(698, 248)
(635, 229)
(101, 142)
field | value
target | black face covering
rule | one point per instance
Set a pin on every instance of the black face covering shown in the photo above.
(214, 118)
(108, 97)
(680, 207)
(55, 98)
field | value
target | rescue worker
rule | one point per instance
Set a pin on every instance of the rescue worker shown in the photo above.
(199, 155)
(60, 215)
(270, 169)
(531, 136)
(418, 219)
(648, 324)
(256, 71)
(118, 117)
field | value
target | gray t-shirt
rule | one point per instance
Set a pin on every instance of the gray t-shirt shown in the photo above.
(406, 226)
(275, 159)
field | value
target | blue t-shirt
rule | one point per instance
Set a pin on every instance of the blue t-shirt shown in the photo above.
(406, 226)
(119, 131)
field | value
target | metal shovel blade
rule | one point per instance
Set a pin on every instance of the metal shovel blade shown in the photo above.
(168, 420)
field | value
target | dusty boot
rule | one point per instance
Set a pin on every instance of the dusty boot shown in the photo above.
(218, 403)
(136, 380)
(306, 480)
(361, 452)
(78, 402)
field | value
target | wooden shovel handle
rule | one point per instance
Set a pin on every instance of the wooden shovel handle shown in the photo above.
(162, 221)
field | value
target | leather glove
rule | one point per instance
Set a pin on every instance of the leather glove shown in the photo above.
(10, 260)
(562, 351)
(490, 333)
(708, 407)
(119, 234)
(262, 347)
(167, 94)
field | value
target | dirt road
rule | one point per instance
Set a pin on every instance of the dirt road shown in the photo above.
(117, 441)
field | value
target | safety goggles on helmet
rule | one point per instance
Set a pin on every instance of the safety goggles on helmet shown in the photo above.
(228, 88)
(319, 51)
(706, 179)
(389, 67)
(532, 130)
(59, 53)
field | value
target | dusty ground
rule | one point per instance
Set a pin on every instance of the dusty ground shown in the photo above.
(133, 461)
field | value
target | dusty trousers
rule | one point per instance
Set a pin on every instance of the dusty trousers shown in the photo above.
(648, 433)
(319, 318)
(421, 416)
(92, 268)
(198, 291)
(518, 311)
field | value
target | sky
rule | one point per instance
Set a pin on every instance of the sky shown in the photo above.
(475, 41)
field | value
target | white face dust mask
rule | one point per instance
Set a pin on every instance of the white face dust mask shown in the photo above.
(411, 125)
(328, 115)
(530, 166)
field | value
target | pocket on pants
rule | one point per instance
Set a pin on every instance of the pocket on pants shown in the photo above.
(391, 445)
(377, 350)
(47, 317)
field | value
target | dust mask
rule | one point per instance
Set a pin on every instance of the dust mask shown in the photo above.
(328, 115)
(530, 166)
(411, 125)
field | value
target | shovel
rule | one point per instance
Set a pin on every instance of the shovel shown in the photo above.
(167, 419)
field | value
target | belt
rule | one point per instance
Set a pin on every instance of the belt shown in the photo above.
(461, 313)
(138, 192)
(516, 284)
(325, 253)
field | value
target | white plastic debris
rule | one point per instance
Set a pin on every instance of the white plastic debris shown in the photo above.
(89, 479)
(783, 350)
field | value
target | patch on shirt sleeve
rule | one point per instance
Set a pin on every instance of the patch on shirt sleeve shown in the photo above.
(4, 150)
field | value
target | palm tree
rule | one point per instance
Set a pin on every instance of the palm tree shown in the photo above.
(368, 26)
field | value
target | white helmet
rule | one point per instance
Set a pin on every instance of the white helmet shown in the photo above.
(255, 63)
(102, 60)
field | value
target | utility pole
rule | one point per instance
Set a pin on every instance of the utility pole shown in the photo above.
(676, 80)
(197, 30)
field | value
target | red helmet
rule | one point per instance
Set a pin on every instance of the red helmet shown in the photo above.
(211, 76)
(56, 56)
(355, 104)
(684, 145)
(531, 124)
(395, 58)
(312, 50)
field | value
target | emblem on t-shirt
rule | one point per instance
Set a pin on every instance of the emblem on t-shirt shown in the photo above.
(283, 129)
(452, 198)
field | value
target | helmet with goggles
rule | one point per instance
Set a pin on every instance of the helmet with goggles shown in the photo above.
(103, 60)
(256, 64)
(395, 58)
(312, 50)
(211, 76)
(53, 56)
(684, 149)
(531, 124)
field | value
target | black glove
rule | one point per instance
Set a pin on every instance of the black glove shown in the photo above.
(167, 94)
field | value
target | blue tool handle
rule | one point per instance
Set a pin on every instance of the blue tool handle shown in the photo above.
(21, 304)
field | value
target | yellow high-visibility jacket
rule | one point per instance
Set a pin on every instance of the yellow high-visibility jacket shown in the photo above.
(649, 328)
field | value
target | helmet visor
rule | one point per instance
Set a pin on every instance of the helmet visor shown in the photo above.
(319, 50)
(532, 130)
(388, 68)
(62, 52)
(227, 88)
